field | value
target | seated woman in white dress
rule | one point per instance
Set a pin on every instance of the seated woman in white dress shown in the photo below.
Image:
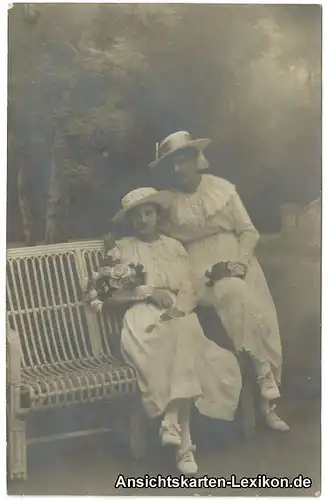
(176, 366)
(210, 220)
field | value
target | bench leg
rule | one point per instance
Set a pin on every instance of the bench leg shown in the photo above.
(17, 452)
(16, 437)
(138, 428)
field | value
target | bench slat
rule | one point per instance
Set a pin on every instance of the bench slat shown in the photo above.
(110, 322)
(45, 306)
(81, 381)
(61, 362)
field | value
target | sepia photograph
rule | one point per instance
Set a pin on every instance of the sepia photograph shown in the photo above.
(164, 195)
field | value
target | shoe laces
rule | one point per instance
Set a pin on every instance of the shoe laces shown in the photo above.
(268, 380)
(168, 426)
(187, 454)
(274, 414)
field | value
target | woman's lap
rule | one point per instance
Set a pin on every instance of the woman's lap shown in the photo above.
(164, 358)
(249, 319)
(175, 360)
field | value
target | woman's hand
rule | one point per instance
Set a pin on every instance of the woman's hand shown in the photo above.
(171, 313)
(161, 299)
(237, 269)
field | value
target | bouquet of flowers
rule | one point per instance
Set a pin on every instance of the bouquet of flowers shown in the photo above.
(124, 282)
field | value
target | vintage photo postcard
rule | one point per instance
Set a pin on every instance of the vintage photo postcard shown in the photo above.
(163, 261)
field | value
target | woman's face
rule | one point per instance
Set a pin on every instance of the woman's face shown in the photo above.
(184, 167)
(144, 220)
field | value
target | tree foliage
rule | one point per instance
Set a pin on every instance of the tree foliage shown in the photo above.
(92, 87)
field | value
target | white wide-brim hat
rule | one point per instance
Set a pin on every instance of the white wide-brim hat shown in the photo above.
(141, 196)
(175, 142)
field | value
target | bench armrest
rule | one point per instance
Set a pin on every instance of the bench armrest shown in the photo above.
(13, 357)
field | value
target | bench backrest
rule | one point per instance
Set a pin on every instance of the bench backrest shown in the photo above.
(45, 303)
(108, 323)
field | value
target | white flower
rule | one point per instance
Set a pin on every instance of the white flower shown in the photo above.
(115, 283)
(120, 272)
(96, 305)
(93, 294)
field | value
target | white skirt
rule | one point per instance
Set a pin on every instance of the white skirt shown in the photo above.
(245, 307)
(175, 360)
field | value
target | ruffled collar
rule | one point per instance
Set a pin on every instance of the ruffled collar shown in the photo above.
(212, 195)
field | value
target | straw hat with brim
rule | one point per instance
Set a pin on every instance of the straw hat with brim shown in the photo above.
(140, 196)
(177, 142)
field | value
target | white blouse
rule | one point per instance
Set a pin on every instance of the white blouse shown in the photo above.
(165, 263)
(213, 209)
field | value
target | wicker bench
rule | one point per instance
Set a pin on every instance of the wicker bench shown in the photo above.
(60, 354)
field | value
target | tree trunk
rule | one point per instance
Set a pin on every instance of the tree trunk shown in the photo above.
(25, 207)
(57, 204)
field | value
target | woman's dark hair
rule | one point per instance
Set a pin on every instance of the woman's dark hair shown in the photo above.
(163, 175)
(118, 231)
(188, 153)
(126, 229)
(193, 151)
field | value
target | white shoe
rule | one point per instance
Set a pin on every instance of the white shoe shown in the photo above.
(185, 461)
(274, 422)
(170, 434)
(269, 388)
